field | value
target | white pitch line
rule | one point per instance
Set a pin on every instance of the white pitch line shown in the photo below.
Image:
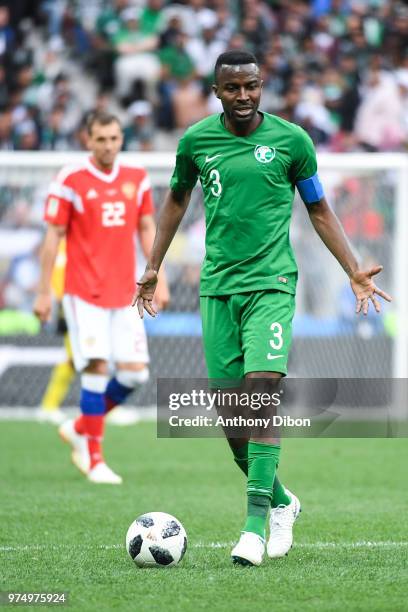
(316, 545)
(25, 413)
(211, 545)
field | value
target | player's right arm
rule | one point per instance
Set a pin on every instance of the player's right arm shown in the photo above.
(58, 209)
(171, 214)
(175, 205)
(49, 250)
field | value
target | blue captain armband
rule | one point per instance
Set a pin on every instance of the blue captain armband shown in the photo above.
(310, 189)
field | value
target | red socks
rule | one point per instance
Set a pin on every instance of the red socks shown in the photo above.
(79, 425)
(94, 428)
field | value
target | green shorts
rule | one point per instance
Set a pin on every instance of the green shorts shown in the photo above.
(247, 332)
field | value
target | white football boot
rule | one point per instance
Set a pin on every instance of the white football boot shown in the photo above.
(249, 550)
(122, 417)
(55, 417)
(281, 523)
(102, 474)
(79, 444)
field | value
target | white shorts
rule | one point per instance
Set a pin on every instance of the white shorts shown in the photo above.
(112, 334)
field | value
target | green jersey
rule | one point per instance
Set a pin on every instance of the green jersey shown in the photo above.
(248, 185)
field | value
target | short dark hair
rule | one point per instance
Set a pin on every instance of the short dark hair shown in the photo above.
(101, 117)
(235, 57)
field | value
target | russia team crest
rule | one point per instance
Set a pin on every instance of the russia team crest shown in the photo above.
(129, 190)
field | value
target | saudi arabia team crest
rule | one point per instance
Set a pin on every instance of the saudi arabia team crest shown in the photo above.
(264, 154)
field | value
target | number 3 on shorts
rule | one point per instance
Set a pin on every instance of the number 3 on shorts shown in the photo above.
(277, 341)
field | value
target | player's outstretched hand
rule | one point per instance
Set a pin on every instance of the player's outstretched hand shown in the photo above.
(42, 306)
(145, 292)
(365, 289)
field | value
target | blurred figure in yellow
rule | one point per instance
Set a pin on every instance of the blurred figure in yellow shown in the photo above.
(63, 373)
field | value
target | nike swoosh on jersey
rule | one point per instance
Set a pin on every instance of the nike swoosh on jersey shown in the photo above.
(269, 356)
(208, 158)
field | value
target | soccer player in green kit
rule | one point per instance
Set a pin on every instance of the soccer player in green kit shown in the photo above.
(249, 163)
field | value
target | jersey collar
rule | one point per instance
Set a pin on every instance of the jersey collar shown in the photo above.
(103, 176)
(256, 130)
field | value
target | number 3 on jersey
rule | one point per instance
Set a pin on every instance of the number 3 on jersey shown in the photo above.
(216, 188)
(277, 342)
(113, 214)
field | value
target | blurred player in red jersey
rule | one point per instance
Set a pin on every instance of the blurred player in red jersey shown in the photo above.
(98, 205)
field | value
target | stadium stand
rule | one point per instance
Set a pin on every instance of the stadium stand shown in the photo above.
(332, 66)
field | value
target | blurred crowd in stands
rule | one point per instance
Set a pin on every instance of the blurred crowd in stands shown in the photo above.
(337, 67)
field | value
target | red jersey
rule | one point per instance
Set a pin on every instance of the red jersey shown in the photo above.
(101, 212)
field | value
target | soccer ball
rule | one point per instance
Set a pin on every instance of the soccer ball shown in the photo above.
(156, 539)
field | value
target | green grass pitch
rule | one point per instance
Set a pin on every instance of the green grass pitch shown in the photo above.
(61, 533)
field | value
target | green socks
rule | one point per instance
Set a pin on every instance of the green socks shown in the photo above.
(241, 457)
(258, 507)
(263, 460)
(279, 496)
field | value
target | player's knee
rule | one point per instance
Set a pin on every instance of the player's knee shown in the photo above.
(132, 378)
(97, 366)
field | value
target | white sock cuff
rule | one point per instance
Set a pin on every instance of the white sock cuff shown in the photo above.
(132, 378)
(94, 382)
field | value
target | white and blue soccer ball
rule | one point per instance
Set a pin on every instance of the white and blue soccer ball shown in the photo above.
(156, 539)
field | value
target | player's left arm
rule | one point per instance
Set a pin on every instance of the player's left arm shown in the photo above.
(147, 232)
(330, 230)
